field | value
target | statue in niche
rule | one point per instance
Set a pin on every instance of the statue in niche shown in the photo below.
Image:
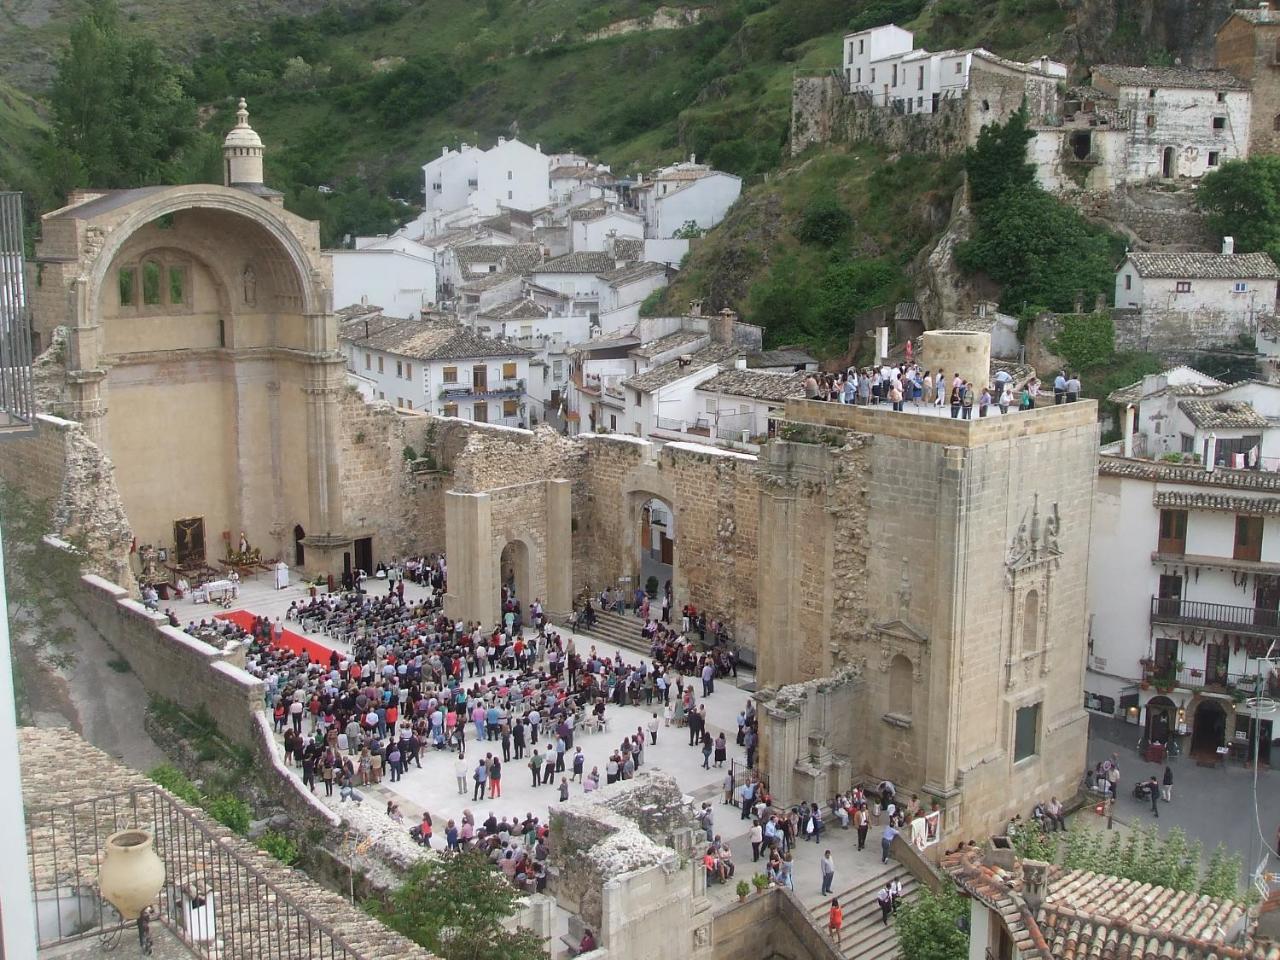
(1051, 527)
(250, 279)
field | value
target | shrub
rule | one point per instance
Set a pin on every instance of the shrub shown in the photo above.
(410, 453)
(176, 782)
(824, 222)
(279, 846)
(930, 926)
(230, 811)
(1086, 339)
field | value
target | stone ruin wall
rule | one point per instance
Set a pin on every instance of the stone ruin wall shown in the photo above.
(58, 463)
(821, 112)
(1153, 217)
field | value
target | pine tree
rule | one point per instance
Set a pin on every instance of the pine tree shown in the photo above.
(1128, 865)
(1188, 877)
(1221, 876)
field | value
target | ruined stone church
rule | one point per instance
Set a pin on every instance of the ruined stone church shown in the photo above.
(911, 589)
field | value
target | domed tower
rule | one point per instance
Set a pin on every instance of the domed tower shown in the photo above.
(242, 153)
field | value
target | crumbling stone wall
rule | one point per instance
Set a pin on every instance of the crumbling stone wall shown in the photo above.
(59, 463)
(1156, 218)
(821, 112)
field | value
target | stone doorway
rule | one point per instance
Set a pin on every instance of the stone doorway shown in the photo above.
(1209, 731)
(656, 538)
(364, 554)
(299, 551)
(514, 574)
(1169, 163)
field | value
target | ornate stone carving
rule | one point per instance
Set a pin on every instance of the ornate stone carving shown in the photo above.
(250, 281)
(702, 935)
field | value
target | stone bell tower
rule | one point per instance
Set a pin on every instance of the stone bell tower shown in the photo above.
(242, 153)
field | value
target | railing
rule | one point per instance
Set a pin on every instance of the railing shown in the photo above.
(669, 423)
(499, 388)
(17, 405)
(214, 899)
(1164, 675)
(1223, 616)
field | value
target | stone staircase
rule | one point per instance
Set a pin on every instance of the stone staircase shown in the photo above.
(621, 630)
(864, 936)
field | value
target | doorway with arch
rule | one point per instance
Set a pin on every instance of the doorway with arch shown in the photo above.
(1162, 717)
(514, 575)
(656, 540)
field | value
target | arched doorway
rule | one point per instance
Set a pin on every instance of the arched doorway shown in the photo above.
(514, 583)
(1210, 730)
(1162, 717)
(1168, 163)
(657, 542)
(299, 552)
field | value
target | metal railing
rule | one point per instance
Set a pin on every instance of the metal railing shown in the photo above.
(1223, 616)
(214, 899)
(17, 402)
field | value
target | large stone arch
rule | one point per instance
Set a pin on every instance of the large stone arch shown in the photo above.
(633, 503)
(250, 385)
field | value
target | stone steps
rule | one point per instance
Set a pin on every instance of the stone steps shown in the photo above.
(864, 936)
(621, 630)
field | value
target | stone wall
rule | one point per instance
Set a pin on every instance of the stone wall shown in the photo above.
(1154, 218)
(173, 664)
(59, 463)
(1177, 334)
(774, 924)
(821, 112)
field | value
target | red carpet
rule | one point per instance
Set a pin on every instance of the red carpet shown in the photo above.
(318, 652)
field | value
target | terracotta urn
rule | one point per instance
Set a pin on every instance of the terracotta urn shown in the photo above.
(131, 873)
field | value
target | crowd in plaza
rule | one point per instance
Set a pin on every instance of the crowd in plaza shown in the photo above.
(900, 384)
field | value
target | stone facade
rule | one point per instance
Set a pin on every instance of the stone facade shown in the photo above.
(1152, 218)
(821, 112)
(1246, 45)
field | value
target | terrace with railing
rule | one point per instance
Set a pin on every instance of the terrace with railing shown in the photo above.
(1219, 616)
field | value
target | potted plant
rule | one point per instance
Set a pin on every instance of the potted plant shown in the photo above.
(761, 882)
(743, 889)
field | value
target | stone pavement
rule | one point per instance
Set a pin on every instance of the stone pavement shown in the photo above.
(1212, 805)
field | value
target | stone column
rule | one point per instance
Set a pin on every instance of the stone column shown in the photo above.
(473, 570)
(559, 550)
(86, 377)
(1126, 429)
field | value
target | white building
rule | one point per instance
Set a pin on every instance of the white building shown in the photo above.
(399, 282)
(1192, 301)
(466, 185)
(883, 64)
(450, 179)
(736, 403)
(594, 232)
(436, 366)
(685, 193)
(1184, 567)
(576, 276)
(1135, 124)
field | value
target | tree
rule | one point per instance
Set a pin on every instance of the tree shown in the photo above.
(1242, 200)
(689, 230)
(1222, 876)
(997, 162)
(934, 926)
(121, 117)
(455, 907)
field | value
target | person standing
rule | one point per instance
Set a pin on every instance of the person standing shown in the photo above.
(1060, 387)
(1153, 788)
(535, 766)
(886, 840)
(828, 867)
(564, 789)
(863, 823)
(1166, 786)
(757, 838)
(835, 920)
(653, 730)
(460, 771)
(495, 778)
(885, 899)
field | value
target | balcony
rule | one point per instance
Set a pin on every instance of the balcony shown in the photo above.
(1216, 616)
(1166, 676)
(500, 390)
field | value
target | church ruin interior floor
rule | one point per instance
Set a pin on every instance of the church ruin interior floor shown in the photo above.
(434, 788)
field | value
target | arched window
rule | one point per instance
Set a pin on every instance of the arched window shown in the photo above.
(1030, 622)
(900, 682)
(151, 275)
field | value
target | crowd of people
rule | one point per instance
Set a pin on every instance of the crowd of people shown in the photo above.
(900, 384)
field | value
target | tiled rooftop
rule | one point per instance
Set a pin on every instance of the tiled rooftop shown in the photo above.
(1223, 503)
(583, 261)
(1222, 414)
(674, 370)
(1205, 266)
(756, 384)
(1164, 472)
(1177, 77)
(424, 340)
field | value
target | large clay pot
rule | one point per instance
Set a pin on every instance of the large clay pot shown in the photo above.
(132, 873)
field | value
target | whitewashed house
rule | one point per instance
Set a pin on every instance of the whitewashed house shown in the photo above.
(1189, 301)
(463, 263)
(576, 276)
(512, 174)
(1184, 567)
(624, 289)
(883, 64)
(437, 366)
(737, 402)
(394, 273)
(450, 179)
(594, 232)
(685, 193)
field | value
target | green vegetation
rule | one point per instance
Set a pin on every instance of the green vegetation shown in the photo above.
(932, 926)
(1143, 855)
(804, 253)
(1242, 200)
(1086, 340)
(1039, 250)
(455, 907)
(279, 846)
(228, 809)
(121, 116)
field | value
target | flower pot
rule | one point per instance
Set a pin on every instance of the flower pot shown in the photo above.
(131, 873)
